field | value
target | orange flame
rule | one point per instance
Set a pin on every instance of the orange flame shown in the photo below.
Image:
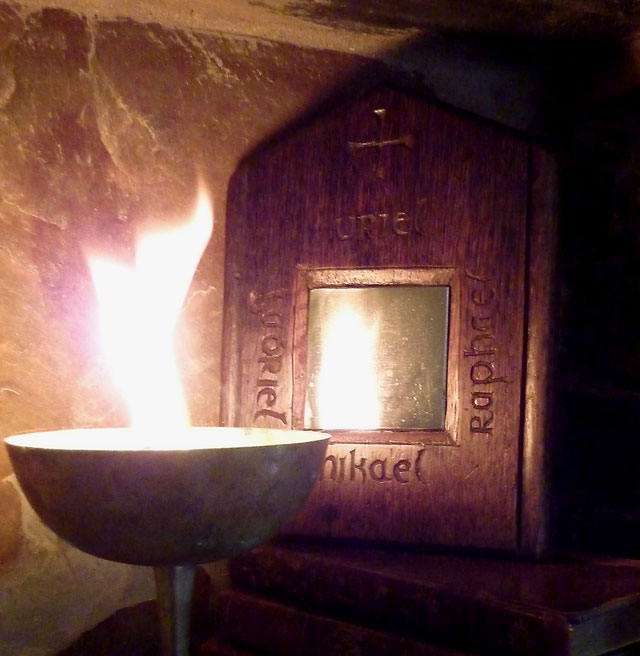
(138, 311)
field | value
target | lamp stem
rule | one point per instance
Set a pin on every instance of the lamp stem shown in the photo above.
(174, 591)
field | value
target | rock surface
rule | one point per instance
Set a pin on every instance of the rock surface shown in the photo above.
(363, 28)
(106, 125)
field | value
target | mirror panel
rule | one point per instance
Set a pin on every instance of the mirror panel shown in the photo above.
(377, 358)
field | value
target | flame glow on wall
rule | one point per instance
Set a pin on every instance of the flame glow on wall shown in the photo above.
(138, 311)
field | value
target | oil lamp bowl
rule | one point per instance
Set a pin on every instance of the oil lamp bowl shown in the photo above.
(232, 489)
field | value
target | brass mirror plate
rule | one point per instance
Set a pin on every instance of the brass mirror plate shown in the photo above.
(375, 354)
(377, 358)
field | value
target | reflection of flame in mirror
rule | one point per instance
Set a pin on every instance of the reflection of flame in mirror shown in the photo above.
(347, 385)
(138, 310)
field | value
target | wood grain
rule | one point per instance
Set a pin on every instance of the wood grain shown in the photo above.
(506, 606)
(414, 187)
(537, 487)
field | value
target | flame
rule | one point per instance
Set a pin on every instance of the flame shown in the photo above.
(347, 390)
(138, 311)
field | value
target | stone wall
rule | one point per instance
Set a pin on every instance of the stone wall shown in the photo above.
(105, 124)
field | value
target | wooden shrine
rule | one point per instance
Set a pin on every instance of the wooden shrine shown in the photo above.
(388, 280)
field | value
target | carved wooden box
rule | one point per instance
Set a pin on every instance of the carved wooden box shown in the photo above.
(392, 226)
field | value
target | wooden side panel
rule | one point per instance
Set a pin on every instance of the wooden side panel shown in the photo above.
(390, 181)
(536, 486)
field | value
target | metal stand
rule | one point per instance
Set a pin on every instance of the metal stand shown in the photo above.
(174, 590)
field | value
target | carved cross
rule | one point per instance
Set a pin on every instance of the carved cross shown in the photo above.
(404, 140)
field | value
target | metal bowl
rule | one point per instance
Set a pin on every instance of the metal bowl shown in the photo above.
(233, 489)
